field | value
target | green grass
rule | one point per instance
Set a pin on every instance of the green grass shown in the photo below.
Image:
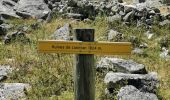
(51, 75)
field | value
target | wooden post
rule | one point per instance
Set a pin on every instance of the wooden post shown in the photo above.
(84, 69)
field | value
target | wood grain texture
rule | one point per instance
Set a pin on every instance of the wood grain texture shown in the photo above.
(84, 75)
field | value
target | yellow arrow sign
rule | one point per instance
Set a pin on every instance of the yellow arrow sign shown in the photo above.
(78, 47)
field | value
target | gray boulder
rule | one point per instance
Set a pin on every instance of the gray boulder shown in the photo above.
(120, 65)
(13, 91)
(146, 83)
(7, 8)
(63, 33)
(130, 92)
(32, 8)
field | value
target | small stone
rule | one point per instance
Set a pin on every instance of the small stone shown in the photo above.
(73, 15)
(63, 33)
(138, 51)
(143, 45)
(165, 54)
(113, 18)
(149, 22)
(152, 12)
(4, 71)
(164, 23)
(114, 35)
(149, 34)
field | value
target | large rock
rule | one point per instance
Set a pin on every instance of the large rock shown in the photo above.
(63, 33)
(147, 83)
(130, 92)
(7, 8)
(120, 65)
(13, 91)
(32, 8)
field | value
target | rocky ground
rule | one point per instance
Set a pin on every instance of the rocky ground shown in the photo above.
(27, 74)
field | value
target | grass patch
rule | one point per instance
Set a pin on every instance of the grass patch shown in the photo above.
(51, 75)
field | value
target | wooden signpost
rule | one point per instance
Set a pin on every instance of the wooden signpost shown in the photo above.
(79, 47)
(85, 48)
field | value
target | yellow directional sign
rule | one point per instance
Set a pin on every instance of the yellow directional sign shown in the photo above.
(78, 47)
